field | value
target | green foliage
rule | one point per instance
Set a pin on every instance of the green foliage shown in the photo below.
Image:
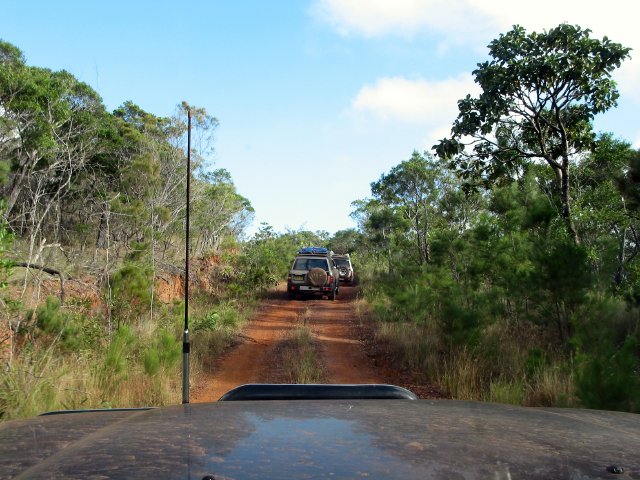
(220, 212)
(226, 316)
(162, 354)
(208, 322)
(130, 289)
(266, 258)
(607, 356)
(345, 241)
(116, 181)
(28, 384)
(608, 378)
(506, 392)
(52, 320)
(513, 268)
(536, 361)
(565, 75)
(114, 367)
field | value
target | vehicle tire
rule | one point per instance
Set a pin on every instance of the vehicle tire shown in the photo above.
(291, 295)
(332, 295)
(317, 277)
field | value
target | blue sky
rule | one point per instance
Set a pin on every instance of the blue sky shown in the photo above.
(307, 92)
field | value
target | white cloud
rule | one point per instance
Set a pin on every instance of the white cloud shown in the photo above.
(463, 19)
(413, 101)
(616, 19)
(426, 107)
(399, 17)
(476, 22)
(436, 134)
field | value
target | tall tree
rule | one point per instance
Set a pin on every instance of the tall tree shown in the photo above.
(414, 188)
(539, 94)
(47, 132)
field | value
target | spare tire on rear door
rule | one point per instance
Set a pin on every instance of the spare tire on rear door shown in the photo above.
(317, 277)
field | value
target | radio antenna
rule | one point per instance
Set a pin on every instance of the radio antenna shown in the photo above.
(185, 338)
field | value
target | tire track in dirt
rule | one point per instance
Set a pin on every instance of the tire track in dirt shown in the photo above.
(336, 334)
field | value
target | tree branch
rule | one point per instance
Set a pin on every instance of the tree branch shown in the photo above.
(50, 271)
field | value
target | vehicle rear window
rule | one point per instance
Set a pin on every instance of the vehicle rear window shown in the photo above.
(342, 261)
(309, 263)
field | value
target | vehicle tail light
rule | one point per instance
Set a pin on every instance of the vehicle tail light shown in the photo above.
(330, 279)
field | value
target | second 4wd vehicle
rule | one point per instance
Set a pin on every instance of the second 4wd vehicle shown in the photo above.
(314, 272)
(343, 262)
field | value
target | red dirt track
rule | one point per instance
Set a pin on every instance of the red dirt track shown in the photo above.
(339, 339)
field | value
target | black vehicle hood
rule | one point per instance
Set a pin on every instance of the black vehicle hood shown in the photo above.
(324, 439)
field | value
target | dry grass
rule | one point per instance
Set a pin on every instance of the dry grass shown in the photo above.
(300, 362)
(413, 345)
(460, 375)
(495, 370)
(552, 386)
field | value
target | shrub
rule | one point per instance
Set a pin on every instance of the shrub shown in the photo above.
(608, 377)
(162, 354)
(606, 356)
(51, 320)
(114, 366)
(130, 292)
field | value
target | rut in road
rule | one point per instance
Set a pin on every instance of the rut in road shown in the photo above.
(335, 329)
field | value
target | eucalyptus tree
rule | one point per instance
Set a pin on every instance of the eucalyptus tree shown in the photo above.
(219, 211)
(383, 228)
(415, 188)
(346, 241)
(48, 134)
(540, 92)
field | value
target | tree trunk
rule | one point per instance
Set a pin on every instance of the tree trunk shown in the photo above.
(101, 241)
(565, 200)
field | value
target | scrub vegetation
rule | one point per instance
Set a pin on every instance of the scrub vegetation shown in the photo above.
(502, 267)
(92, 247)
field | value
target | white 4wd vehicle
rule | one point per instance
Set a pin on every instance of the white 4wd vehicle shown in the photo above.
(314, 272)
(343, 262)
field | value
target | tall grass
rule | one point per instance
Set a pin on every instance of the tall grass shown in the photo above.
(501, 362)
(138, 365)
(28, 385)
(299, 359)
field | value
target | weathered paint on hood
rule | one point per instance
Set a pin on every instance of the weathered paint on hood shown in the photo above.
(324, 439)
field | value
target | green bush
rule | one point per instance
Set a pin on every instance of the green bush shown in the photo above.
(115, 363)
(130, 292)
(208, 322)
(606, 357)
(609, 378)
(162, 354)
(51, 320)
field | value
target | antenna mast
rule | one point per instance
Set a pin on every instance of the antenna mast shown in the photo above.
(186, 347)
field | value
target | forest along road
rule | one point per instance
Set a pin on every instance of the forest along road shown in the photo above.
(336, 333)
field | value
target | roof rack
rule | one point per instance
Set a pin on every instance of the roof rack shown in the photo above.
(314, 251)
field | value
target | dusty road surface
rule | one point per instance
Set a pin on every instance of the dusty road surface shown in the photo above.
(338, 342)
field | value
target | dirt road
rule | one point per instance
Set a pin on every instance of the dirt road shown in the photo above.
(338, 339)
